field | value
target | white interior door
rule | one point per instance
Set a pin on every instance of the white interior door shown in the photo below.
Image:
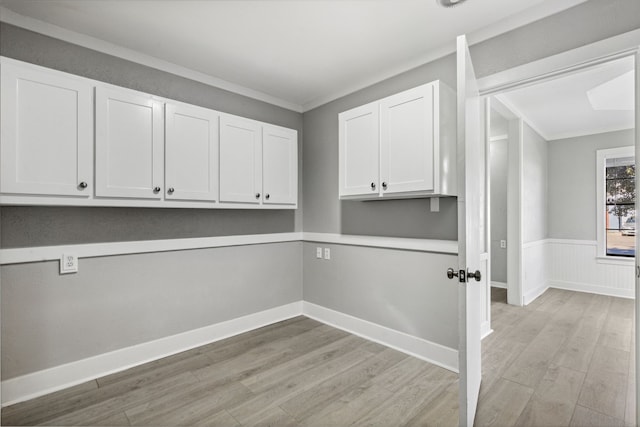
(471, 228)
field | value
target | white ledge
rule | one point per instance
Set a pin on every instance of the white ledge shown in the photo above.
(52, 253)
(422, 245)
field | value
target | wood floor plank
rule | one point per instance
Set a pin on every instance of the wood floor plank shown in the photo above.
(302, 405)
(605, 386)
(279, 392)
(585, 417)
(439, 410)
(220, 419)
(37, 411)
(92, 414)
(503, 405)
(554, 400)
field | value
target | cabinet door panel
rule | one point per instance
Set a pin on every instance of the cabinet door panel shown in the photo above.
(240, 160)
(191, 151)
(407, 141)
(279, 165)
(47, 138)
(359, 151)
(129, 149)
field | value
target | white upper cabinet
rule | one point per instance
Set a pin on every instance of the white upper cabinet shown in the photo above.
(240, 160)
(129, 144)
(191, 150)
(400, 146)
(47, 132)
(279, 165)
(69, 140)
(359, 135)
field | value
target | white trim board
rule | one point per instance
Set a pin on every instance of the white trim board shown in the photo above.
(52, 253)
(592, 289)
(431, 352)
(39, 383)
(422, 245)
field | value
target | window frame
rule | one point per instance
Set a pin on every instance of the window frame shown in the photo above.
(601, 162)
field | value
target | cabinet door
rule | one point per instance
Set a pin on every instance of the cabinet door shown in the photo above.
(359, 151)
(279, 165)
(407, 141)
(129, 144)
(240, 160)
(47, 132)
(191, 151)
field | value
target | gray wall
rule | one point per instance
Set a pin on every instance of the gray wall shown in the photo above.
(572, 183)
(119, 301)
(534, 186)
(402, 290)
(498, 209)
(575, 27)
(35, 226)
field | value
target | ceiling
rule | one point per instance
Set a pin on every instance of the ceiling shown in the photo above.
(294, 53)
(596, 100)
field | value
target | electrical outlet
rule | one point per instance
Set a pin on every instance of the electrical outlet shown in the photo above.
(327, 253)
(68, 263)
(503, 244)
(319, 252)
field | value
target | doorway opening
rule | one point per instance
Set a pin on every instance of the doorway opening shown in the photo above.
(562, 215)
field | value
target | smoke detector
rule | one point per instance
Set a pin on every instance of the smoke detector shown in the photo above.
(449, 3)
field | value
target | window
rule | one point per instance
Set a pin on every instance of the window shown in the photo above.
(616, 202)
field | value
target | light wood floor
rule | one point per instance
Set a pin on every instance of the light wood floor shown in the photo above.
(566, 359)
(297, 372)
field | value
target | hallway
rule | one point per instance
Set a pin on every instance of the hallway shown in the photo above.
(565, 359)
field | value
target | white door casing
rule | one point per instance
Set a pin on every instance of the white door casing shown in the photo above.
(191, 152)
(471, 182)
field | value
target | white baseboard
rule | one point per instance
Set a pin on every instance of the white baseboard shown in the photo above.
(594, 289)
(531, 296)
(39, 383)
(426, 350)
(500, 285)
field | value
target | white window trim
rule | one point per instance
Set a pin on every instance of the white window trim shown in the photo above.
(601, 158)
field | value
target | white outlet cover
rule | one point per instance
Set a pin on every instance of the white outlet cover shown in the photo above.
(319, 252)
(68, 263)
(327, 253)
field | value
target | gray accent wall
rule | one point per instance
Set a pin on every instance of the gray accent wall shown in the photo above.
(572, 183)
(534, 185)
(35, 226)
(498, 153)
(403, 290)
(119, 301)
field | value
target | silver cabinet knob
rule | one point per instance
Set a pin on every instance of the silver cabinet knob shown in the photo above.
(171, 190)
(266, 196)
(373, 185)
(156, 189)
(83, 185)
(257, 195)
(384, 185)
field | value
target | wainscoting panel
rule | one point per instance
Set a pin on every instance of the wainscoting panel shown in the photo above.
(574, 265)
